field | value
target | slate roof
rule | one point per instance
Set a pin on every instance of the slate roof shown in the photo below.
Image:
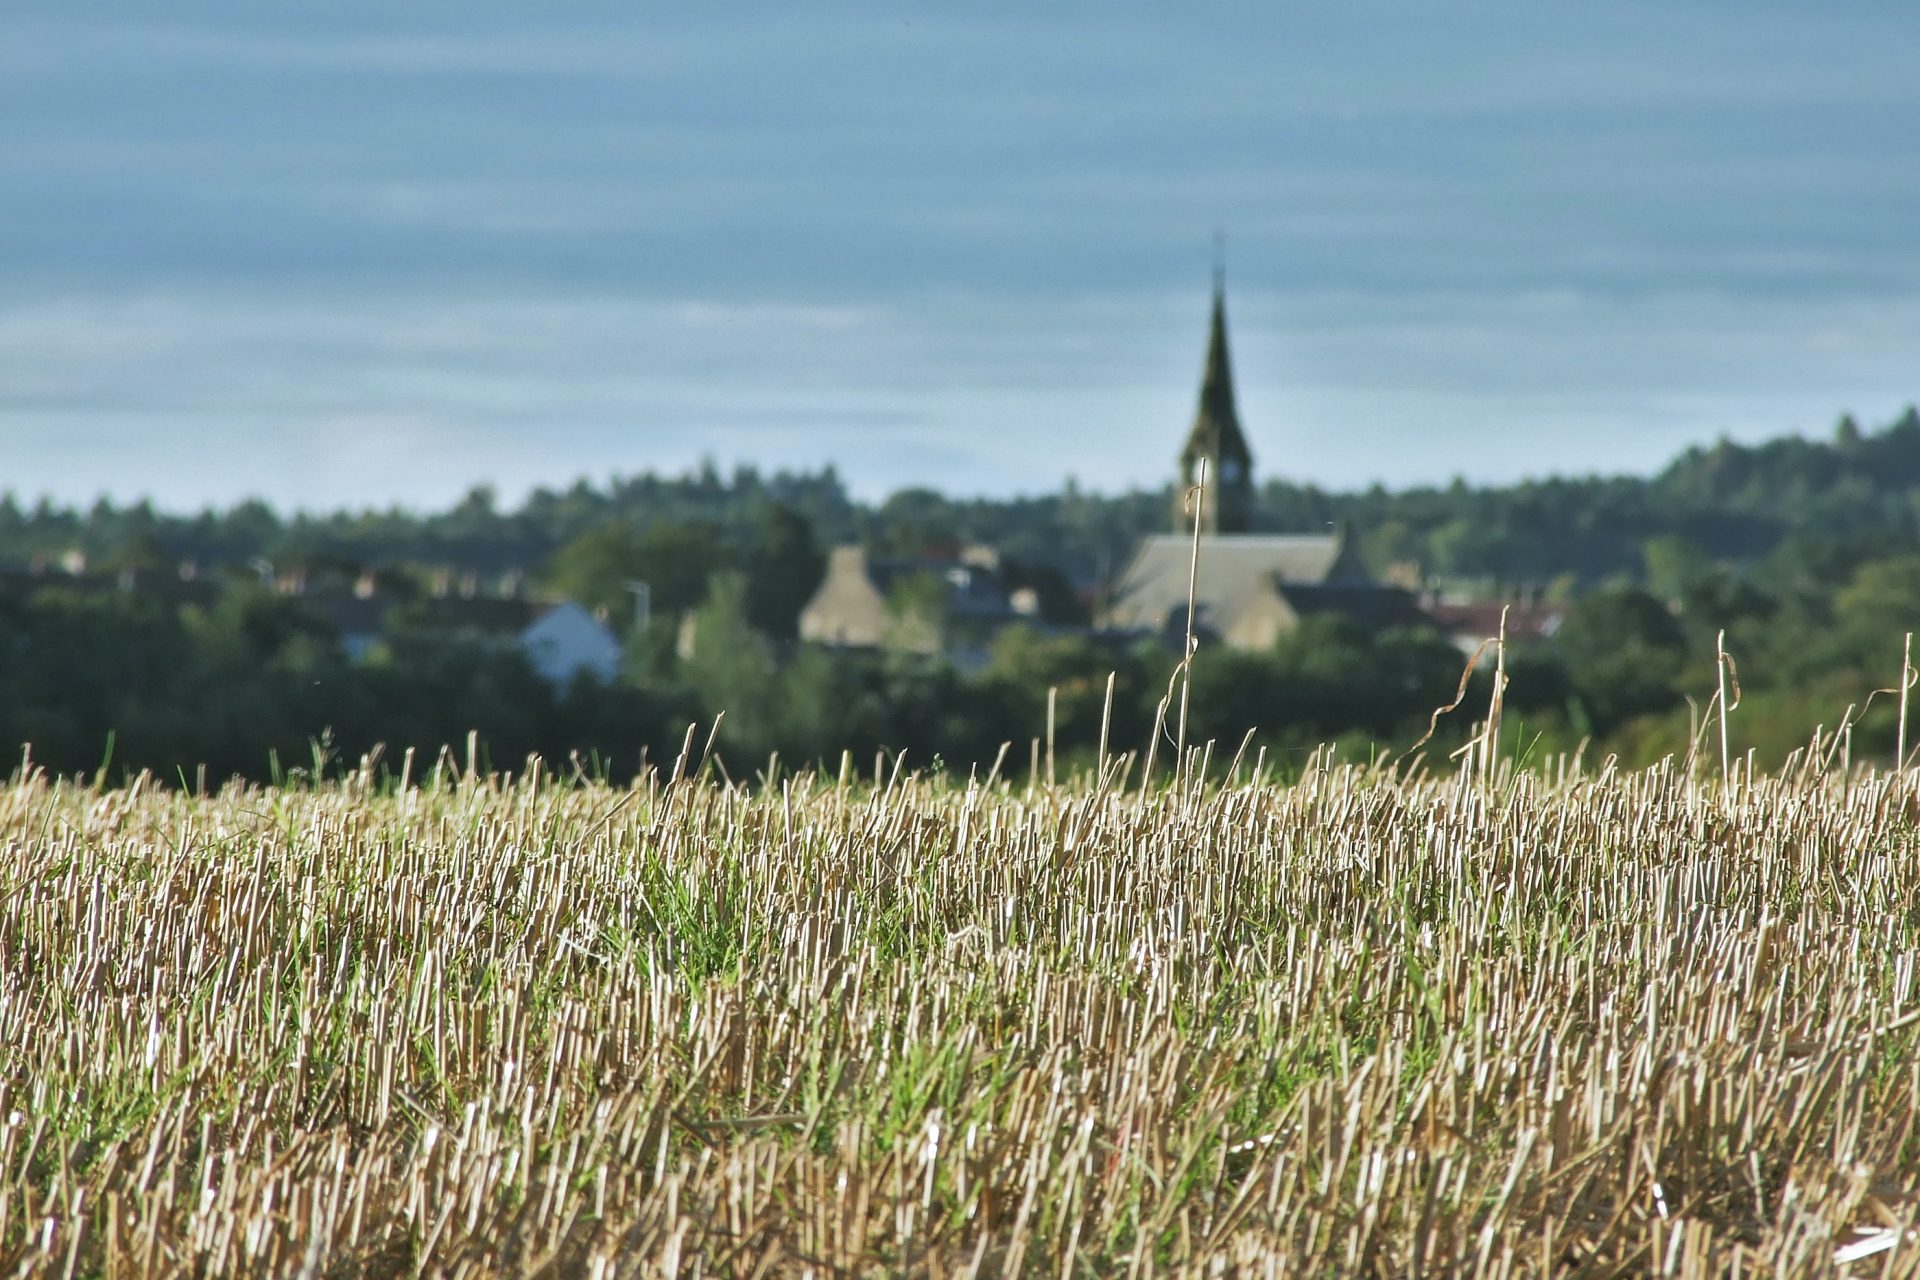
(1237, 572)
(1372, 606)
(1481, 618)
(973, 591)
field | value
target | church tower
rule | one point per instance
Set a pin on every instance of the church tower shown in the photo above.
(1227, 506)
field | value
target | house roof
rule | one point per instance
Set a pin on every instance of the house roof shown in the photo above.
(851, 605)
(1481, 618)
(1372, 606)
(1234, 571)
(161, 587)
(974, 590)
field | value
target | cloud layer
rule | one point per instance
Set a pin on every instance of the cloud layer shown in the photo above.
(385, 253)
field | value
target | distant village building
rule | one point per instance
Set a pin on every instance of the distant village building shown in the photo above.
(561, 639)
(1470, 623)
(919, 604)
(181, 586)
(565, 641)
(1251, 587)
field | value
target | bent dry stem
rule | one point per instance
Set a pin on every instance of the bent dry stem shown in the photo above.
(1362, 1024)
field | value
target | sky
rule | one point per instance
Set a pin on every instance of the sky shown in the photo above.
(361, 253)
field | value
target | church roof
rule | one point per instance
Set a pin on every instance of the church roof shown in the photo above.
(1216, 422)
(1235, 572)
(1373, 607)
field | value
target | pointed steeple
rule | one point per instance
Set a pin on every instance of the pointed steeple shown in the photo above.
(1217, 437)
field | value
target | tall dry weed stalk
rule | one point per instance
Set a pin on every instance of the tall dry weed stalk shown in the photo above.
(1906, 688)
(1196, 508)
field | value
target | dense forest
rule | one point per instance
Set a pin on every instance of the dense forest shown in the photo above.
(1805, 553)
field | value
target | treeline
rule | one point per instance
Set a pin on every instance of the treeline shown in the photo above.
(1813, 630)
(1732, 503)
(1805, 555)
(257, 685)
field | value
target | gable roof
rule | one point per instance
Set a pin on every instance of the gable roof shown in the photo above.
(973, 590)
(1235, 572)
(851, 605)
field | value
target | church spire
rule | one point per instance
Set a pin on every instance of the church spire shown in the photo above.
(1216, 436)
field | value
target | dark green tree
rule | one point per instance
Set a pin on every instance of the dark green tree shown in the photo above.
(783, 571)
(674, 560)
(1625, 653)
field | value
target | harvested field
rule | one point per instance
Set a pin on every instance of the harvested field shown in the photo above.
(1361, 1024)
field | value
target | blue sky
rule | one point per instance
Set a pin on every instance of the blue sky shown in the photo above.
(362, 253)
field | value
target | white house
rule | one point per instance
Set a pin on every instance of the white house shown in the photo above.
(564, 640)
